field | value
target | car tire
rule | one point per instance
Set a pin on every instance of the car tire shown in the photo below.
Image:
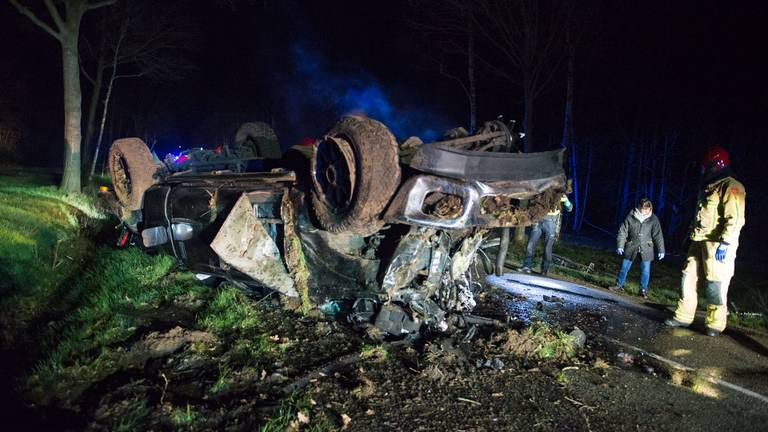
(355, 172)
(133, 171)
(257, 139)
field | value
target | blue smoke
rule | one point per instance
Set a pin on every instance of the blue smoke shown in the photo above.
(319, 90)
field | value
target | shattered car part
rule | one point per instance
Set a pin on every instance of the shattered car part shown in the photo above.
(400, 262)
(408, 205)
(446, 161)
(393, 319)
(363, 311)
(243, 243)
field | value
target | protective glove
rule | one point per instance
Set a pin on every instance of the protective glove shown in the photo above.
(722, 250)
(660, 256)
(566, 203)
(619, 251)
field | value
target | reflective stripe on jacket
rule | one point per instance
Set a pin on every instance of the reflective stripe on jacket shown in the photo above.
(720, 212)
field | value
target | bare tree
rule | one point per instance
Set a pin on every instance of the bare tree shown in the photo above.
(578, 20)
(66, 29)
(449, 25)
(527, 36)
(148, 44)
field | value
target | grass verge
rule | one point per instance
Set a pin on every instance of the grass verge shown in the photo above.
(111, 294)
(293, 414)
(44, 242)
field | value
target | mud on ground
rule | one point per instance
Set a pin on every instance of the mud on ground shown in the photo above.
(322, 375)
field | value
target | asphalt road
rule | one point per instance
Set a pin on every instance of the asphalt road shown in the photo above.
(734, 365)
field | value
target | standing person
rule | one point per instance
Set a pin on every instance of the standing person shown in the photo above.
(638, 235)
(547, 226)
(714, 235)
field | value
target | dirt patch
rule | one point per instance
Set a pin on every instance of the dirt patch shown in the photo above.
(320, 374)
(161, 344)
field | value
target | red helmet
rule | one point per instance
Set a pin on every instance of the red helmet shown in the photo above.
(307, 142)
(715, 157)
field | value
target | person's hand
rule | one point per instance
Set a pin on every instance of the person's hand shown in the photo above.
(722, 250)
(619, 251)
(660, 256)
(566, 203)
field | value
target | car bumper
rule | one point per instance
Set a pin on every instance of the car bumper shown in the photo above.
(447, 203)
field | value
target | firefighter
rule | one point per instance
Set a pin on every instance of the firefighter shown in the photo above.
(714, 235)
(549, 227)
(638, 235)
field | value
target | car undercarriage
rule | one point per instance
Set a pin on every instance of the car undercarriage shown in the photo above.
(387, 234)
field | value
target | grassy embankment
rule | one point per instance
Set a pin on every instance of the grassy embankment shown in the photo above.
(71, 310)
(748, 291)
(44, 241)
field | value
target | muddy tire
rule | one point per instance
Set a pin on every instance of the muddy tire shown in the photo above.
(355, 172)
(257, 139)
(133, 171)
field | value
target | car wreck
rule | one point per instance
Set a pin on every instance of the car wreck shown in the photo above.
(389, 234)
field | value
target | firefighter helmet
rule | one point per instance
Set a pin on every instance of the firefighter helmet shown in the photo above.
(715, 158)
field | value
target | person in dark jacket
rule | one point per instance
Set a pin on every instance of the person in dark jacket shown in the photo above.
(638, 235)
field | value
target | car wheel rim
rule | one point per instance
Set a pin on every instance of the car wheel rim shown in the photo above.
(335, 172)
(122, 178)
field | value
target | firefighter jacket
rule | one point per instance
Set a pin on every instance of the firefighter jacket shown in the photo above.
(719, 211)
(640, 235)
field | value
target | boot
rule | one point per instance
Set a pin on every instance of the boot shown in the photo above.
(544, 269)
(713, 332)
(671, 322)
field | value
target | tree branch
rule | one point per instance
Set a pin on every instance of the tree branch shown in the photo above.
(136, 75)
(99, 4)
(37, 21)
(86, 74)
(55, 15)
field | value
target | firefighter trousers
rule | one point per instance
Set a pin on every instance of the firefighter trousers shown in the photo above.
(701, 265)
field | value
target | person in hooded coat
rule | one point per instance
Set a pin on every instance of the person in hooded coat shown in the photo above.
(639, 234)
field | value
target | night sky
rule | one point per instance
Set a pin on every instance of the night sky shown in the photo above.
(696, 69)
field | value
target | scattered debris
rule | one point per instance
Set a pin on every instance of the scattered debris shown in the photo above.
(553, 299)
(302, 417)
(579, 337)
(626, 359)
(331, 308)
(567, 263)
(345, 421)
(495, 363)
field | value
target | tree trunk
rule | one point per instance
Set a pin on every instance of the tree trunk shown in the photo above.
(93, 104)
(471, 77)
(67, 32)
(104, 111)
(528, 142)
(110, 86)
(70, 182)
(568, 114)
(627, 178)
(568, 141)
(573, 164)
(583, 204)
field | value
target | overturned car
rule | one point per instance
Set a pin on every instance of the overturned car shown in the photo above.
(387, 233)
